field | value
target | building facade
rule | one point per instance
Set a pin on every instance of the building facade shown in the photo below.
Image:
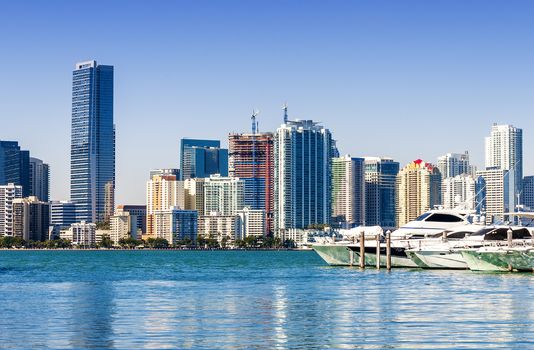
(380, 192)
(31, 218)
(223, 195)
(92, 139)
(504, 150)
(218, 226)
(348, 192)
(15, 166)
(303, 176)
(459, 192)
(251, 160)
(81, 233)
(202, 158)
(499, 193)
(8, 194)
(454, 164)
(162, 193)
(528, 192)
(418, 190)
(250, 222)
(62, 213)
(175, 225)
(137, 211)
(39, 179)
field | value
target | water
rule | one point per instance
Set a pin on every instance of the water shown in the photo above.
(234, 299)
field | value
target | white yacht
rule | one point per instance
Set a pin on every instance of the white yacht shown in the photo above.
(429, 225)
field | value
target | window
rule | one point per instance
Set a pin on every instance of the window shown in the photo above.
(443, 218)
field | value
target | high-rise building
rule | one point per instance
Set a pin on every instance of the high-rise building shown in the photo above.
(223, 195)
(348, 192)
(250, 222)
(123, 225)
(162, 193)
(62, 213)
(453, 164)
(499, 193)
(418, 190)
(380, 192)
(459, 192)
(218, 226)
(8, 193)
(194, 195)
(528, 192)
(31, 218)
(175, 224)
(251, 160)
(109, 200)
(39, 179)
(15, 166)
(504, 150)
(202, 158)
(302, 177)
(92, 140)
(137, 211)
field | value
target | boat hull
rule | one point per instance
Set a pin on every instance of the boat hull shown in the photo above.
(441, 259)
(520, 260)
(336, 255)
(485, 261)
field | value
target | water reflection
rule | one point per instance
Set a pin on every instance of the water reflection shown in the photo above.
(253, 299)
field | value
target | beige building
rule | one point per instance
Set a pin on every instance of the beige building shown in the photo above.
(162, 193)
(123, 225)
(418, 190)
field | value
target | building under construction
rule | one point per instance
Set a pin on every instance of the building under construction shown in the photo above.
(251, 159)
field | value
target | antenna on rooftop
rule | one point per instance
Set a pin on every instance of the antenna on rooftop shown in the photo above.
(255, 113)
(284, 107)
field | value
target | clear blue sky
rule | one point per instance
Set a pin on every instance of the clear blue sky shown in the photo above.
(406, 79)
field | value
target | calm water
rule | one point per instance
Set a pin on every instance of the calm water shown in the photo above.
(169, 299)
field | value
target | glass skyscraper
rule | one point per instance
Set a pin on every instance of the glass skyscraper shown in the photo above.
(15, 166)
(202, 158)
(380, 193)
(92, 139)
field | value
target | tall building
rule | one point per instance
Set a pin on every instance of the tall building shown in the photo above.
(453, 164)
(202, 158)
(499, 193)
(165, 172)
(504, 150)
(124, 225)
(31, 218)
(528, 192)
(81, 233)
(175, 224)
(223, 195)
(251, 160)
(218, 226)
(39, 179)
(380, 192)
(418, 190)
(8, 193)
(348, 192)
(137, 211)
(459, 192)
(109, 200)
(92, 140)
(194, 195)
(302, 178)
(62, 213)
(15, 166)
(162, 193)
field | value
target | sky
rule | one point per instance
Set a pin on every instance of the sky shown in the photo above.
(404, 79)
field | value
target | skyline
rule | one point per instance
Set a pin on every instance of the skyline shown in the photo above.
(323, 72)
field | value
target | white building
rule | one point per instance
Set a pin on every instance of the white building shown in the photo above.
(175, 224)
(499, 195)
(81, 233)
(348, 191)
(504, 151)
(8, 193)
(218, 226)
(123, 225)
(459, 192)
(250, 223)
(453, 164)
(224, 195)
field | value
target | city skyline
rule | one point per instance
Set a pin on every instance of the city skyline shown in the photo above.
(467, 95)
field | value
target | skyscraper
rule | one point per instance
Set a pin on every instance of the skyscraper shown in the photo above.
(302, 177)
(223, 195)
(499, 193)
(380, 191)
(348, 191)
(39, 179)
(31, 218)
(251, 160)
(504, 151)
(418, 190)
(92, 140)
(453, 164)
(528, 192)
(15, 166)
(459, 192)
(202, 158)
(162, 193)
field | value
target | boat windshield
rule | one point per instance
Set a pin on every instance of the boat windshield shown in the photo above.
(501, 234)
(422, 217)
(483, 231)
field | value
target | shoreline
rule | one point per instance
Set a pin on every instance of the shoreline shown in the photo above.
(158, 249)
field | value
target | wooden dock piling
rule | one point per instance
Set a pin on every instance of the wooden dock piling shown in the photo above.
(377, 251)
(388, 250)
(362, 250)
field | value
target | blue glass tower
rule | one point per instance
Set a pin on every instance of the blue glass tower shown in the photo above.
(15, 166)
(202, 158)
(92, 139)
